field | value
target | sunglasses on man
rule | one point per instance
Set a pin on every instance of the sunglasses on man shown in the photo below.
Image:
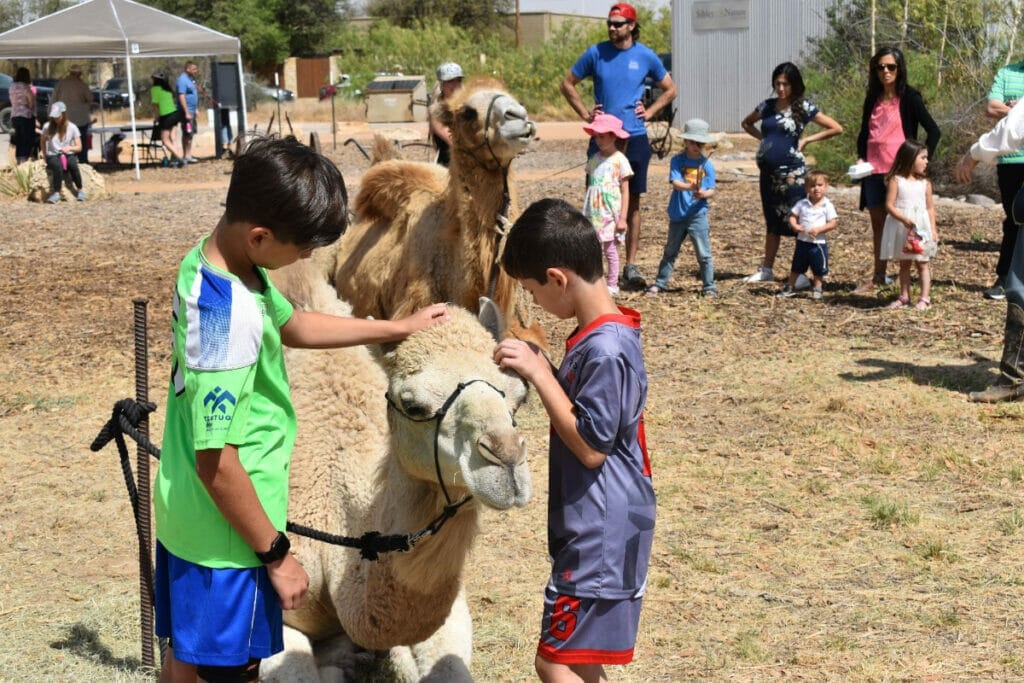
(616, 24)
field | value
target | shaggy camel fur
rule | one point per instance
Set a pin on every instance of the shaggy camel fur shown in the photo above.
(424, 234)
(360, 466)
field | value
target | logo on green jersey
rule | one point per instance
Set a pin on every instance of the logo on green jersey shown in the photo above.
(218, 401)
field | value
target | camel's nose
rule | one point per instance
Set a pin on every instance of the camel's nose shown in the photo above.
(504, 448)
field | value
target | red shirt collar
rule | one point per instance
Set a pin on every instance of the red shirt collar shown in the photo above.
(626, 316)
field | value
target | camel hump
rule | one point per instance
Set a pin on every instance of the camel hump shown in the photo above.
(387, 187)
(383, 150)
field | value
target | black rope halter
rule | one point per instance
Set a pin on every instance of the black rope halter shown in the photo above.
(438, 416)
(127, 414)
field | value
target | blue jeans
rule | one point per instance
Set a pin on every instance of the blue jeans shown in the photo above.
(699, 231)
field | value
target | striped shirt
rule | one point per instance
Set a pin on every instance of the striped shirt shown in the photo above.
(1007, 88)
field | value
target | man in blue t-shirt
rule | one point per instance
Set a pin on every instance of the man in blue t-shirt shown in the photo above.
(619, 67)
(187, 91)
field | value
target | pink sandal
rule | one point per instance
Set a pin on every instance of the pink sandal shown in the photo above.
(923, 304)
(902, 302)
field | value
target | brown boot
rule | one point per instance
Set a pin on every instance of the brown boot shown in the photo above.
(1010, 385)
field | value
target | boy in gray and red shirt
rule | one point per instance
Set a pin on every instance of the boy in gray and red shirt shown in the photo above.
(601, 503)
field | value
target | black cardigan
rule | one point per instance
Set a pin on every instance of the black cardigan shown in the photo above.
(913, 114)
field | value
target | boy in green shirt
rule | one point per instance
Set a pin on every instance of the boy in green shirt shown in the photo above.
(221, 493)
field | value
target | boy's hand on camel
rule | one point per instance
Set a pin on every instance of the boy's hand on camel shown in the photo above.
(289, 580)
(523, 358)
(427, 317)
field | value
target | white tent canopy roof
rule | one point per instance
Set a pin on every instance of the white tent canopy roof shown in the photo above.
(106, 29)
(113, 28)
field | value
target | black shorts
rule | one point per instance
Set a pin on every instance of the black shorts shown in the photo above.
(872, 191)
(169, 121)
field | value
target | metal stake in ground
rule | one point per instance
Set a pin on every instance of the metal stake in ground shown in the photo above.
(142, 468)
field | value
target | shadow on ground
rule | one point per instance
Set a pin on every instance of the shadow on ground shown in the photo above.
(84, 642)
(955, 378)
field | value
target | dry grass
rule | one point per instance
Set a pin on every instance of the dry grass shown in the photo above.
(830, 506)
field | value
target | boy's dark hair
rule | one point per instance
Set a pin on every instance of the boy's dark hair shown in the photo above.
(285, 186)
(551, 233)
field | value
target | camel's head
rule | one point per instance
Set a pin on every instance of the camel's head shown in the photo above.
(446, 393)
(487, 123)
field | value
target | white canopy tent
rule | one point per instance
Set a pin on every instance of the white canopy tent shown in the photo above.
(106, 29)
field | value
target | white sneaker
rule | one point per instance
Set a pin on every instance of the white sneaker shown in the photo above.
(762, 275)
(802, 282)
(614, 291)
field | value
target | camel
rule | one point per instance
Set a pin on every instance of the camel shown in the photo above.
(365, 463)
(423, 234)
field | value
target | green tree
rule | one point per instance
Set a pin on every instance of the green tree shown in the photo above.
(952, 50)
(270, 30)
(15, 13)
(472, 14)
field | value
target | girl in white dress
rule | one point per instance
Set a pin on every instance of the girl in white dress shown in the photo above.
(909, 233)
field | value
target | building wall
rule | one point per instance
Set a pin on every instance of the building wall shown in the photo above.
(723, 53)
(537, 28)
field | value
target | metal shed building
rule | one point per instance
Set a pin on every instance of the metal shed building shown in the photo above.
(723, 53)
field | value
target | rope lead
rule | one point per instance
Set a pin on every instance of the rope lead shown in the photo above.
(125, 419)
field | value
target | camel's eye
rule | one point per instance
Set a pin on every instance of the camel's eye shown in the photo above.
(468, 114)
(416, 410)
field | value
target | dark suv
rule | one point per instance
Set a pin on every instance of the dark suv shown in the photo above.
(114, 93)
(43, 94)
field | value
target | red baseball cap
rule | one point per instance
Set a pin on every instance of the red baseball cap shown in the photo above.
(624, 9)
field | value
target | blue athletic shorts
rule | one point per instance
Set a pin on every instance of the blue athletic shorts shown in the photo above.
(216, 617)
(810, 255)
(638, 153)
(588, 631)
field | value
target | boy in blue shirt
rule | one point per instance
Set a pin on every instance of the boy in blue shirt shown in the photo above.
(692, 177)
(601, 503)
(223, 571)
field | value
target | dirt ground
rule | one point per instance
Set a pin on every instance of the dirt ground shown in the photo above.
(830, 505)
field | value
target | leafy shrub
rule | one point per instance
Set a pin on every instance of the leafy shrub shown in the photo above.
(532, 73)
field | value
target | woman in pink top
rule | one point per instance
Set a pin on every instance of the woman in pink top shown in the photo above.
(893, 113)
(23, 115)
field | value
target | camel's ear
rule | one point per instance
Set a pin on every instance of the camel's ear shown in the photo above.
(468, 114)
(382, 353)
(491, 318)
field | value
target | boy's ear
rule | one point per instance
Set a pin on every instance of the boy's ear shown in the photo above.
(559, 275)
(257, 234)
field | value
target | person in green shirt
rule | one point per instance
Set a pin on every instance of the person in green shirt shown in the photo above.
(167, 116)
(223, 571)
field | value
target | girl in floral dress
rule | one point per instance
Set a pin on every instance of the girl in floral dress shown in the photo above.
(607, 201)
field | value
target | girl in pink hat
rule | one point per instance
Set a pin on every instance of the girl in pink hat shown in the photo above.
(606, 203)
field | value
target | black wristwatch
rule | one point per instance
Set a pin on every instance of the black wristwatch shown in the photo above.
(278, 549)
